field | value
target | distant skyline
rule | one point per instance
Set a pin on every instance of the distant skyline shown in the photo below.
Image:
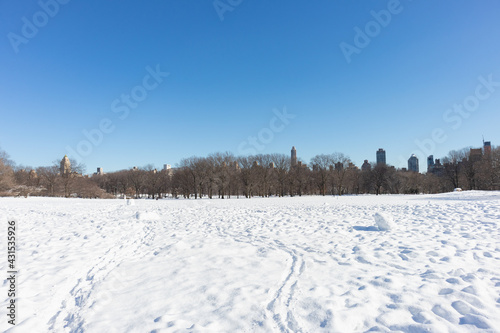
(122, 84)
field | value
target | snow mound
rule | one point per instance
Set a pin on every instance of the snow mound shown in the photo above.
(147, 216)
(383, 221)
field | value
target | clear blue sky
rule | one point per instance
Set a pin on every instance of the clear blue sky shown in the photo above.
(74, 72)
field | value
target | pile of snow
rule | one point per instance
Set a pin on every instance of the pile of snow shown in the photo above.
(383, 221)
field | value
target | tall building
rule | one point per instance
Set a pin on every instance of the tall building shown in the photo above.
(293, 161)
(430, 163)
(475, 155)
(366, 166)
(100, 171)
(167, 169)
(487, 147)
(352, 166)
(413, 163)
(65, 166)
(381, 156)
(437, 168)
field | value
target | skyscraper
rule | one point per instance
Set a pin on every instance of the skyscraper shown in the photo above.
(487, 147)
(430, 162)
(65, 166)
(366, 166)
(475, 155)
(413, 163)
(381, 156)
(293, 161)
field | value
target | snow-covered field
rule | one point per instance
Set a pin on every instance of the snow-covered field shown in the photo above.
(310, 264)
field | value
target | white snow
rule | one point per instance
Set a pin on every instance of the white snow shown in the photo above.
(310, 264)
(383, 221)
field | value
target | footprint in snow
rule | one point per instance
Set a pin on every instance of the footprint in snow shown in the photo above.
(446, 291)
(453, 281)
(474, 320)
(470, 290)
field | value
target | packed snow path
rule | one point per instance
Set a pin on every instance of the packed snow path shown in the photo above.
(310, 264)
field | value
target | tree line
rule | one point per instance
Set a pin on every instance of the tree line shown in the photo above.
(223, 175)
(16, 180)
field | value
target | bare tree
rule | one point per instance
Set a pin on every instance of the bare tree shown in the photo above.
(49, 178)
(199, 173)
(265, 176)
(221, 165)
(341, 166)
(281, 164)
(77, 167)
(116, 182)
(6, 176)
(166, 182)
(84, 187)
(494, 180)
(432, 183)
(353, 179)
(5, 158)
(487, 170)
(380, 177)
(321, 166)
(300, 179)
(136, 178)
(152, 181)
(452, 164)
(235, 180)
(68, 179)
(247, 174)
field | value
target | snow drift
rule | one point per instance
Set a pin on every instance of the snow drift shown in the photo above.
(383, 221)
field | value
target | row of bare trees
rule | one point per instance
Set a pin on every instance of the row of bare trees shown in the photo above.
(46, 181)
(460, 169)
(224, 175)
(145, 181)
